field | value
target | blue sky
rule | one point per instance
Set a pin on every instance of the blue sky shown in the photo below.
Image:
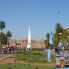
(41, 15)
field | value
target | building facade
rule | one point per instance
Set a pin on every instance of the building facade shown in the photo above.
(23, 43)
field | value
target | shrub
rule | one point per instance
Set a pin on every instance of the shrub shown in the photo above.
(44, 60)
(36, 53)
(36, 68)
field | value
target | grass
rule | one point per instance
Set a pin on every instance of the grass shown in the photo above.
(38, 60)
(34, 56)
(25, 66)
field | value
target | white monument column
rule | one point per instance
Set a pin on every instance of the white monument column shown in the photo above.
(29, 44)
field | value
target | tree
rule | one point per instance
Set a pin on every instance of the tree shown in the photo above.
(2, 35)
(56, 38)
(58, 34)
(48, 37)
(8, 35)
(2, 25)
(3, 39)
(46, 41)
(59, 28)
(65, 38)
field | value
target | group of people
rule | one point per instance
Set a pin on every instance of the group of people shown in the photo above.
(8, 50)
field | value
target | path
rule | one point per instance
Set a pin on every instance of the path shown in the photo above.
(3, 56)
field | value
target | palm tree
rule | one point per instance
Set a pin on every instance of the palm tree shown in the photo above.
(2, 25)
(48, 38)
(9, 35)
(46, 41)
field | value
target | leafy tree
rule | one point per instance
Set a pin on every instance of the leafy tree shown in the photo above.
(58, 34)
(59, 28)
(65, 34)
(62, 35)
(65, 38)
(56, 38)
(3, 39)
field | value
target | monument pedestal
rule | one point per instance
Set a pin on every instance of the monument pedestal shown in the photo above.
(29, 47)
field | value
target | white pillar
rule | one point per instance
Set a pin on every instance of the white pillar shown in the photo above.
(29, 46)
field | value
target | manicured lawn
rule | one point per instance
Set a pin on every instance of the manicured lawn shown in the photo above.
(34, 56)
(25, 66)
(33, 59)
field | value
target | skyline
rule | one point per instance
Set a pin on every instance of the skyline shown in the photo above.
(41, 15)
